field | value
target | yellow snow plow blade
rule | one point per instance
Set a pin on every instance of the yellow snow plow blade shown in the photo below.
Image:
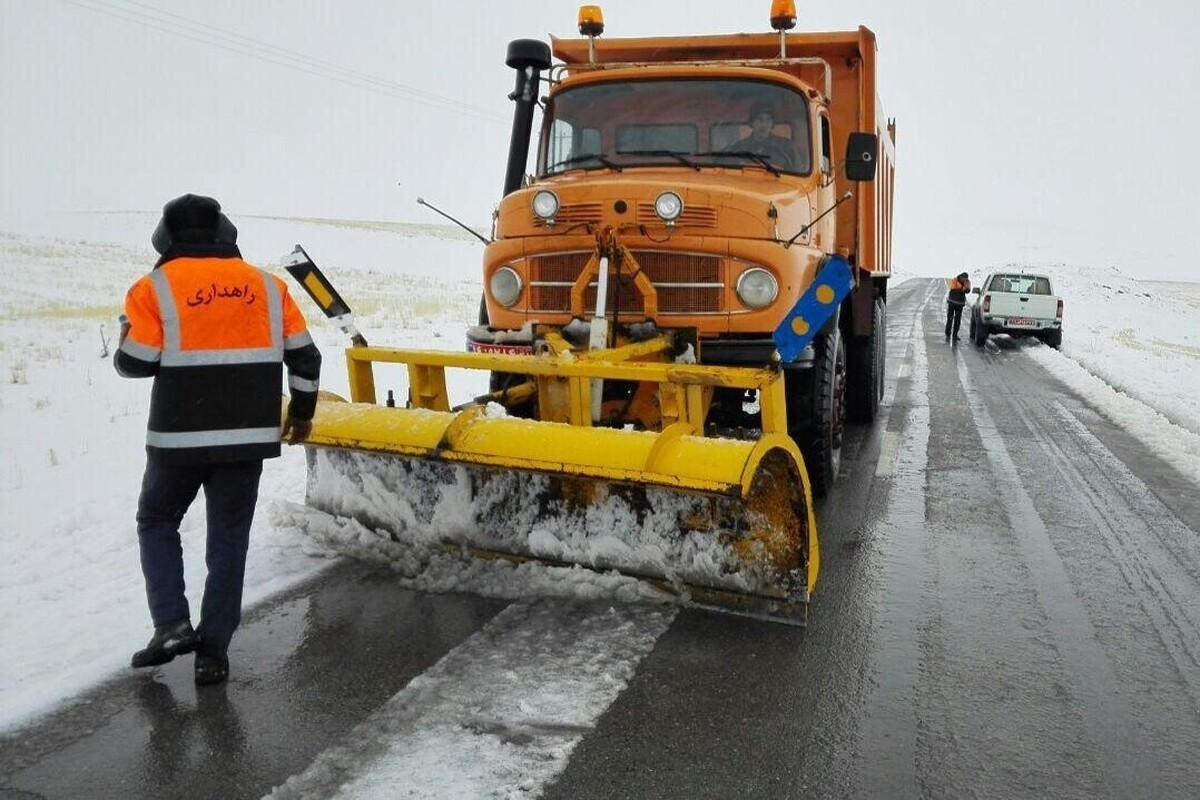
(728, 521)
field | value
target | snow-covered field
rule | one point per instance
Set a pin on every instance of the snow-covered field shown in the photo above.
(72, 606)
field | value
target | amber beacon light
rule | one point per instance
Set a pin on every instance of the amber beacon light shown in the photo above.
(591, 20)
(783, 15)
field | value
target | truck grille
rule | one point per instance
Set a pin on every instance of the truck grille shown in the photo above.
(687, 283)
(583, 213)
(692, 216)
(574, 214)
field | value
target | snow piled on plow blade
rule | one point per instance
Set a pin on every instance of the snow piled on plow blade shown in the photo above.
(449, 527)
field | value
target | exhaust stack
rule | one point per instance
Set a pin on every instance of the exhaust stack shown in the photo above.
(529, 57)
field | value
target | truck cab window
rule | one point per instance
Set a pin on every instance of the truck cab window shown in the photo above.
(678, 138)
(566, 141)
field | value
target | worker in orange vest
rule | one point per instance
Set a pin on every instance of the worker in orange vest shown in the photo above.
(960, 286)
(215, 333)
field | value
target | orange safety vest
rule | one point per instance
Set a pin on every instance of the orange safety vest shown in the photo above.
(215, 334)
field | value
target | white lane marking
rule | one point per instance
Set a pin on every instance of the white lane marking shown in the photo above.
(903, 372)
(1087, 671)
(889, 451)
(499, 715)
(889, 731)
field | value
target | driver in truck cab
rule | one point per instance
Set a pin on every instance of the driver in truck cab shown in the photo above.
(762, 140)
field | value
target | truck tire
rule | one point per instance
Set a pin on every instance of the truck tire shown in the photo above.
(1053, 338)
(864, 384)
(980, 332)
(816, 407)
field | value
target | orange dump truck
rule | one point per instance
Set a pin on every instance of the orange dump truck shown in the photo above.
(683, 305)
(716, 176)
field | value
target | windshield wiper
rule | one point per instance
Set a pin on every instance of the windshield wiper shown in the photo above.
(678, 155)
(763, 160)
(600, 157)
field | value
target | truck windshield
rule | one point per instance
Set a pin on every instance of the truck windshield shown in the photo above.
(681, 122)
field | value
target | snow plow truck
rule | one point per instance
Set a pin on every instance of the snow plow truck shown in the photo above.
(683, 305)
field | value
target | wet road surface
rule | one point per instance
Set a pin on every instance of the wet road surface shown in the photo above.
(1009, 606)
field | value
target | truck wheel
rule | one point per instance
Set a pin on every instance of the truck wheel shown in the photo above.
(971, 332)
(882, 340)
(816, 406)
(865, 376)
(1053, 338)
(981, 334)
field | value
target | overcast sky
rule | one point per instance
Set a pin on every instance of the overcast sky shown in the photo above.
(1027, 131)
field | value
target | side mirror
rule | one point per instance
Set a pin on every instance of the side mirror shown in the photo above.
(977, 290)
(861, 150)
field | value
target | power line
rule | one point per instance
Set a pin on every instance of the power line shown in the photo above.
(291, 54)
(273, 54)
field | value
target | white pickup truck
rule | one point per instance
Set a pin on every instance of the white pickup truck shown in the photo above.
(1019, 304)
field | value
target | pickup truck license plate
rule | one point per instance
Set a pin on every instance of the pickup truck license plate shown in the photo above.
(1021, 322)
(505, 349)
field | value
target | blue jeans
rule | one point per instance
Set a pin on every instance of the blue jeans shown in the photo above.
(230, 494)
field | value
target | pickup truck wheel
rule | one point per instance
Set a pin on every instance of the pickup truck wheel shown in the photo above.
(1053, 338)
(981, 333)
(816, 406)
(971, 331)
(865, 376)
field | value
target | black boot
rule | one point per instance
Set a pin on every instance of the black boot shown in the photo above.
(169, 640)
(211, 668)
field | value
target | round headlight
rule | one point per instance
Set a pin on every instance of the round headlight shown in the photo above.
(545, 204)
(506, 286)
(668, 206)
(757, 288)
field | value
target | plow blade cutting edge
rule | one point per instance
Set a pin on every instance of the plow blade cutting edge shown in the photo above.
(724, 522)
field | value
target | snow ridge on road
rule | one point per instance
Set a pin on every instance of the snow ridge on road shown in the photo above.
(499, 715)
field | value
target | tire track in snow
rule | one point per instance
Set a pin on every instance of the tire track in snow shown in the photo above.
(1087, 672)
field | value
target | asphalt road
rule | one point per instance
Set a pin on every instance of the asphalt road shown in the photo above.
(1009, 606)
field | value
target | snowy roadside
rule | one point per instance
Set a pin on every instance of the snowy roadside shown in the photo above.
(72, 606)
(1131, 348)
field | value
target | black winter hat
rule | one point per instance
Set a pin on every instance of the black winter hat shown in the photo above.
(761, 107)
(192, 219)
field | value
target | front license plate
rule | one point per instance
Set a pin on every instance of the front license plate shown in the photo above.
(1021, 322)
(505, 349)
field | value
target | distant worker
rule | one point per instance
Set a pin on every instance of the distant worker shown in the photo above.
(762, 141)
(214, 332)
(960, 286)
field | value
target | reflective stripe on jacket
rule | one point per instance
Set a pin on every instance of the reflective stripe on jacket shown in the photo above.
(215, 332)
